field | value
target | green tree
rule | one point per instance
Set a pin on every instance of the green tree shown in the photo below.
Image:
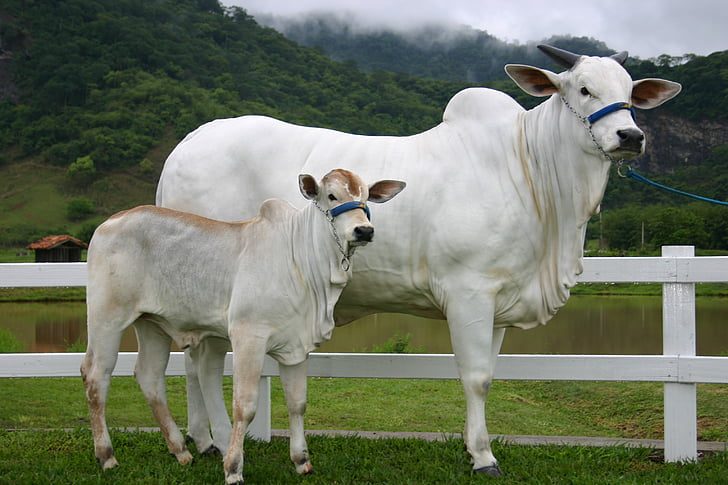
(82, 171)
(79, 208)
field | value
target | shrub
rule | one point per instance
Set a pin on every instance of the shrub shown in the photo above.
(398, 344)
(146, 166)
(86, 232)
(82, 171)
(8, 342)
(79, 208)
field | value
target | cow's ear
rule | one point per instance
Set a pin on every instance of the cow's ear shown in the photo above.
(308, 185)
(385, 190)
(534, 81)
(650, 93)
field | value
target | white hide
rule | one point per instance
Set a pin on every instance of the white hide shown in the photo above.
(268, 284)
(489, 233)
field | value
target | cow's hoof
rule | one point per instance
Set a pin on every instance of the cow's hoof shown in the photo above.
(304, 468)
(212, 450)
(491, 471)
(184, 457)
(110, 463)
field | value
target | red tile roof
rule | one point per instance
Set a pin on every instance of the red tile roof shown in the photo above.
(50, 242)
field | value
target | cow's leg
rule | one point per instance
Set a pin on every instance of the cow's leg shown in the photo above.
(249, 349)
(198, 422)
(293, 379)
(475, 344)
(210, 365)
(96, 368)
(154, 347)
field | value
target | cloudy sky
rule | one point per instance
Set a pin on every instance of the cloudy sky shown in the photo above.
(645, 28)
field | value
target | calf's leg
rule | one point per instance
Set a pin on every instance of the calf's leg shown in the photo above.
(249, 347)
(294, 383)
(154, 347)
(96, 368)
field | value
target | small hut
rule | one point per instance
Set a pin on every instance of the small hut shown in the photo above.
(58, 249)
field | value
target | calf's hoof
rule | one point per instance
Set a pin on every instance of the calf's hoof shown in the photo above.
(234, 479)
(109, 463)
(184, 457)
(305, 468)
(491, 471)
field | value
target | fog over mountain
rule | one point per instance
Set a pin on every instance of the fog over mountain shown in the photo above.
(647, 28)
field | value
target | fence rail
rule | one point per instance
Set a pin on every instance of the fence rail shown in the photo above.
(678, 368)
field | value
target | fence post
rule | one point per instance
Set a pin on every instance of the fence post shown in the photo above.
(678, 338)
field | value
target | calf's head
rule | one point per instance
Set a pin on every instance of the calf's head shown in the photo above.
(342, 195)
(599, 92)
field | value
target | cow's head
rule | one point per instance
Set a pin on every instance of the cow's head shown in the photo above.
(342, 195)
(592, 84)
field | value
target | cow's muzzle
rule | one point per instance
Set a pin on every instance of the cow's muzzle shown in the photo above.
(631, 140)
(363, 234)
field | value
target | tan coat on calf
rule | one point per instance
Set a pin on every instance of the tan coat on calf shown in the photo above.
(268, 284)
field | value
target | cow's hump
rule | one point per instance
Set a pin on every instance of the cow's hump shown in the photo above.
(480, 104)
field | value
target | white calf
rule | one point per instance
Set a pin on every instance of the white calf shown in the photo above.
(268, 284)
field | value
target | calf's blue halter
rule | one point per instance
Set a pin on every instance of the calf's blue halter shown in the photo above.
(337, 211)
(350, 206)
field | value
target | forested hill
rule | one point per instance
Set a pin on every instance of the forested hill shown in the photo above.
(95, 93)
(455, 53)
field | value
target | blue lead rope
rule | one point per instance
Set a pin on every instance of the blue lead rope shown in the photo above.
(640, 178)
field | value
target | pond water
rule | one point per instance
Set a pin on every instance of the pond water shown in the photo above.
(586, 325)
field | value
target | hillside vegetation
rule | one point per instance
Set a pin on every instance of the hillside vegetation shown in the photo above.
(94, 95)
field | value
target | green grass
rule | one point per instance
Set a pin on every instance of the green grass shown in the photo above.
(644, 289)
(42, 294)
(622, 289)
(67, 458)
(629, 410)
(34, 198)
(609, 409)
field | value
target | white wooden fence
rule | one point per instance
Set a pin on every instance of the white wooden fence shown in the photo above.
(678, 368)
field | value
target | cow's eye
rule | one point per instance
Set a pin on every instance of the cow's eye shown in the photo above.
(332, 197)
(585, 92)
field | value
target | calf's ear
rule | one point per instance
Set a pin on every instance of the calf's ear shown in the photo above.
(308, 186)
(650, 93)
(385, 190)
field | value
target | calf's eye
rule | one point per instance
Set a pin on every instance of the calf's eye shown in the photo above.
(585, 92)
(331, 197)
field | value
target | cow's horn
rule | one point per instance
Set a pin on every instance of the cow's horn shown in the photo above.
(620, 57)
(560, 56)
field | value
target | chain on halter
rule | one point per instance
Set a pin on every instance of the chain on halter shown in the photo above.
(588, 121)
(346, 255)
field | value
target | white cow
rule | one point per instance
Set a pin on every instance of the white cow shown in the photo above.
(488, 235)
(269, 285)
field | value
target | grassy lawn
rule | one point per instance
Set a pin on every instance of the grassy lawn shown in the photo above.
(627, 410)
(67, 458)
(630, 410)
(624, 289)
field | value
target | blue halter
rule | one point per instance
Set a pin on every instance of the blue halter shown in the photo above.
(598, 115)
(350, 206)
